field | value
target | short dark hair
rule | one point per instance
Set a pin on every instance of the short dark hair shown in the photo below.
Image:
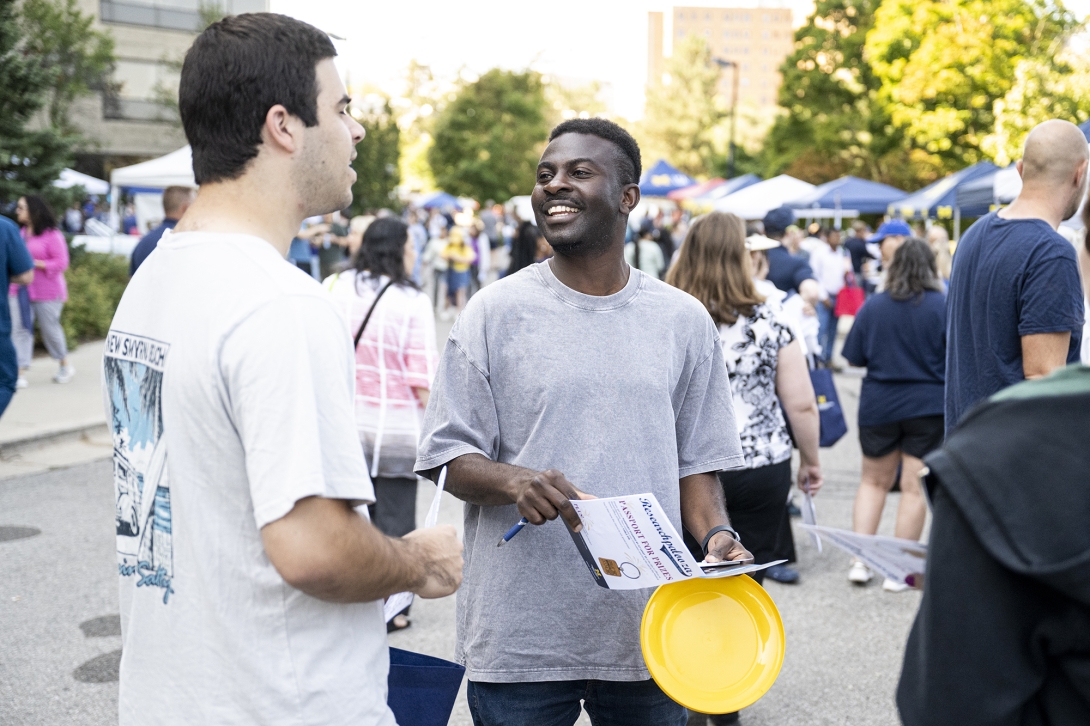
(235, 71)
(629, 167)
(174, 198)
(382, 251)
(41, 214)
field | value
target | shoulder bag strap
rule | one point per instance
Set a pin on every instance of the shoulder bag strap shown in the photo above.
(359, 333)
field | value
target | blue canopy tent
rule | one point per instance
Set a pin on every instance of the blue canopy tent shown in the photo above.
(731, 186)
(441, 200)
(940, 200)
(981, 195)
(1084, 127)
(662, 178)
(851, 194)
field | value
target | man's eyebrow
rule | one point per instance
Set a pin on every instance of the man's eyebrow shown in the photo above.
(345, 100)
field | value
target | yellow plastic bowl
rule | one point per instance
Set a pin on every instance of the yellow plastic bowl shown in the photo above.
(713, 645)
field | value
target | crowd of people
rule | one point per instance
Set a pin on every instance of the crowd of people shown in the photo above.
(270, 427)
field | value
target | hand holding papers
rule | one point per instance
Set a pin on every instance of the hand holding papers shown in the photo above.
(399, 601)
(628, 543)
(809, 515)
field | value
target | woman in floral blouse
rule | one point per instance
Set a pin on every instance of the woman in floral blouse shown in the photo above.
(768, 377)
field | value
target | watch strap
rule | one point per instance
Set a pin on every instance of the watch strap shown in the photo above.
(716, 530)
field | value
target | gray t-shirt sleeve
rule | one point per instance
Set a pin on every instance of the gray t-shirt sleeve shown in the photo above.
(707, 436)
(461, 415)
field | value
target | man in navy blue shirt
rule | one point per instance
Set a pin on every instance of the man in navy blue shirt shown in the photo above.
(1015, 305)
(16, 267)
(785, 271)
(175, 201)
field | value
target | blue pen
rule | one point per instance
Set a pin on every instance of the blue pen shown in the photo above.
(513, 531)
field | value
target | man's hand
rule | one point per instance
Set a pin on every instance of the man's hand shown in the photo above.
(546, 495)
(724, 548)
(440, 554)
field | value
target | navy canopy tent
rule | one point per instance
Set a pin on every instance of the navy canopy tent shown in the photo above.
(1084, 127)
(662, 178)
(441, 200)
(865, 197)
(940, 200)
(730, 187)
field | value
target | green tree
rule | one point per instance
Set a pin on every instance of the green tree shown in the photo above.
(834, 123)
(29, 160)
(682, 112)
(942, 64)
(489, 138)
(377, 156)
(78, 59)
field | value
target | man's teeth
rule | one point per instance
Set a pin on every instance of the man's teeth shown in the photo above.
(562, 210)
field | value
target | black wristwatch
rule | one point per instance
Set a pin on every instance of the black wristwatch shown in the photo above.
(716, 530)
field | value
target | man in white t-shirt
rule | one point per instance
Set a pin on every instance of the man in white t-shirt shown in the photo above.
(251, 579)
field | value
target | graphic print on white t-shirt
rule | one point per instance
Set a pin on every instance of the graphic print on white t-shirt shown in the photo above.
(133, 371)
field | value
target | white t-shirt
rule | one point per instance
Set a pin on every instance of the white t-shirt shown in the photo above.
(829, 267)
(228, 382)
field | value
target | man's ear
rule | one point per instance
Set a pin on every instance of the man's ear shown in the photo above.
(1018, 166)
(282, 130)
(1080, 174)
(630, 197)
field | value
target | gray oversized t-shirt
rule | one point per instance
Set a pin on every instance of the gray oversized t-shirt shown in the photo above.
(624, 394)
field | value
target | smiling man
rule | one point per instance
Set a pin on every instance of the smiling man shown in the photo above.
(251, 579)
(575, 377)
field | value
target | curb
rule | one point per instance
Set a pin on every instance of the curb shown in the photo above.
(46, 438)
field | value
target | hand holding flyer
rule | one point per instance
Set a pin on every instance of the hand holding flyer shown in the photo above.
(628, 543)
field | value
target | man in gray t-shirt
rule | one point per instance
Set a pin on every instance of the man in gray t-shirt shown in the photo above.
(573, 378)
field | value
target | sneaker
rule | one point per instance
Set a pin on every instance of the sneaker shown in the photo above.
(782, 574)
(22, 382)
(894, 586)
(860, 574)
(65, 374)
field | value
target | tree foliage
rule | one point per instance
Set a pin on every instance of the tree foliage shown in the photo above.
(681, 113)
(489, 138)
(377, 156)
(942, 65)
(78, 59)
(29, 160)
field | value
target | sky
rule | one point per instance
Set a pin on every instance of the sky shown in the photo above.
(603, 40)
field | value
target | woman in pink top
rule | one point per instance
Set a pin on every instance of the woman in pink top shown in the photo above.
(48, 291)
(395, 363)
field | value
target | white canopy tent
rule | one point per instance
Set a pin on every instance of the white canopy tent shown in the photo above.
(174, 169)
(757, 200)
(70, 178)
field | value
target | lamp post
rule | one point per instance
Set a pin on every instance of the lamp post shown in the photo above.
(733, 107)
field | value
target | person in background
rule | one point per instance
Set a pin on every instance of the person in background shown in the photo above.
(437, 267)
(524, 247)
(129, 224)
(830, 266)
(885, 242)
(644, 253)
(786, 271)
(482, 250)
(938, 239)
(395, 364)
(1015, 306)
(856, 245)
(768, 378)
(661, 236)
(460, 258)
(419, 236)
(899, 335)
(49, 291)
(176, 201)
(357, 226)
(73, 219)
(17, 269)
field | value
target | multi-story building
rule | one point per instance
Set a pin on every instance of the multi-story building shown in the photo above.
(150, 39)
(758, 39)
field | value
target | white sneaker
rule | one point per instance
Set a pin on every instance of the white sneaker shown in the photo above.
(65, 374)
(894, 586)
(859, 573)
(22, 382)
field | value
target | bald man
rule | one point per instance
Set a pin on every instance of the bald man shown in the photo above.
(1015, 304)
(176, 201)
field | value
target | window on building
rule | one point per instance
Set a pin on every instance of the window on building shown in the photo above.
(168, 14)
(765, 35)
(745, 81)
(765, 18)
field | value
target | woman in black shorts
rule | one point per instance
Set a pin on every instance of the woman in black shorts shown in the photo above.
(900, 336)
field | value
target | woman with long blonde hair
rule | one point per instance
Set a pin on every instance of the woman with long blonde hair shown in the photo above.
(768, 375)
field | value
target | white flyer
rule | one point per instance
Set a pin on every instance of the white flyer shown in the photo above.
(809, 516)
(401, 600)
(901, 560)
(628, 543)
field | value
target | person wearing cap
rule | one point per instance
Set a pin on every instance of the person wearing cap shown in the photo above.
(785, 271)
(1015, 304)
(888, 238)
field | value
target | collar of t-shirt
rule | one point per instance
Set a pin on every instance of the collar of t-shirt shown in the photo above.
(590, 302)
